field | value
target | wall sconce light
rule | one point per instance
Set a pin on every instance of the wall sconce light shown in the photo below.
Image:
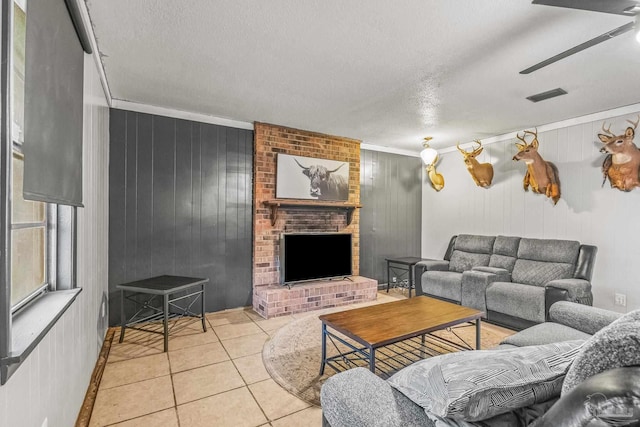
(430, 158)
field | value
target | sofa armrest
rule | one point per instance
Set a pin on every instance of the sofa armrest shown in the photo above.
(430, 265)
(427, 265)
(611, 395)
(581, 317)
(578, 290)
(433, 264)
(358, 398)
(475, 283)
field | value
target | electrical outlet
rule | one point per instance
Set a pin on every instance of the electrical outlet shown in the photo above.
(394, 279)
(620, 299)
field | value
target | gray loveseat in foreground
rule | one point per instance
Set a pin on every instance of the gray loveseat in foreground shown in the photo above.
(358, 398)
(514, 280)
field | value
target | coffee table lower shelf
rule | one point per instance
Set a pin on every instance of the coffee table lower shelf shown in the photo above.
(385, 360)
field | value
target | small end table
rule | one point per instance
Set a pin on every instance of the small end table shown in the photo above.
(402, 268)
(162, 286)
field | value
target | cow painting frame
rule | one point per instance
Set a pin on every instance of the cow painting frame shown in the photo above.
(309, 178)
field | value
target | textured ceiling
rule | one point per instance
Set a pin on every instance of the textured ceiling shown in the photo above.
(385, 72)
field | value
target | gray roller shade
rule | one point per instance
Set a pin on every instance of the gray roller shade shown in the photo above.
(54, 73)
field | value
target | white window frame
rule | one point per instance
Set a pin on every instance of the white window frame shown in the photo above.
(50, 249)
(22, 327)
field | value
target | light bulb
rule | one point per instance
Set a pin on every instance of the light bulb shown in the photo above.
(428, 155)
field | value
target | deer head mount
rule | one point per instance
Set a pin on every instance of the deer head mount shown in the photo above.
(482, 173)
(437, 180)
(623, 158)
(541, 175)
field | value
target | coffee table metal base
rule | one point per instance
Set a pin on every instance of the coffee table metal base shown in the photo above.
(393, 356)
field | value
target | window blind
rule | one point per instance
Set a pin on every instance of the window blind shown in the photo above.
(54, 75)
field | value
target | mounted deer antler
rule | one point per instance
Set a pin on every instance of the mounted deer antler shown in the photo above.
(622, 163)
(541, 175)
(607, 130)
(482, 173)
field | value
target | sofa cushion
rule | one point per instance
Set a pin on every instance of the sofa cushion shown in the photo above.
(518, 300)
(475, 385)
(463, 261)
(505, 250)
(545, 333)
(549, 250)
(444, 284)
(471, 250)
(539, 272)
(506, 245)
(614, 346)
(474, 243)
(502, 261)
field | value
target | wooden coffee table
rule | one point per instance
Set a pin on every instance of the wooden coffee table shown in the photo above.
(382, 325)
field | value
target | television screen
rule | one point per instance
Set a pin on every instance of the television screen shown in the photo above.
(311, 256)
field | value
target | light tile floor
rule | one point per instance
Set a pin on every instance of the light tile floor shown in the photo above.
(215, 378)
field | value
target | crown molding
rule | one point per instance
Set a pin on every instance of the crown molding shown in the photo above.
(601, 115)
(391, 150)
(178, 114)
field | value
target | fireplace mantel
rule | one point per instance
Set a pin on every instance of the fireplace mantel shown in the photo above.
(275, 204)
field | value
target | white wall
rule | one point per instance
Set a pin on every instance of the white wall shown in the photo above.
(53, 380)
(587, 212)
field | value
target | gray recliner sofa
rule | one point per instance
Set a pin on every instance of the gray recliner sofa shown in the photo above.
(514, 280)
(358, 398)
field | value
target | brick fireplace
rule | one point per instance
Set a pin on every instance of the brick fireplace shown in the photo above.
(269, 298)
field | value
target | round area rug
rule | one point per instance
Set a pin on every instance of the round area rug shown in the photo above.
(292, 356)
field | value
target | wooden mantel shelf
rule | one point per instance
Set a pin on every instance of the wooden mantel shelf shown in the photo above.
(274, 204)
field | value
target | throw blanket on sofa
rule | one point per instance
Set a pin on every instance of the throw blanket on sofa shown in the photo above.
(477, 385)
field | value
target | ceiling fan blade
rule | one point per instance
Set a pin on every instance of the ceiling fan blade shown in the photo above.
(582, 46)
(618, 7)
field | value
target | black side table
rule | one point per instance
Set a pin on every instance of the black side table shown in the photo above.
(402, 269)
(162, 286)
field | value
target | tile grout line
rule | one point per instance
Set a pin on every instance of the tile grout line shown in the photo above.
(173, 388)
(293, 413)
(233, 361)
(223, 361)
(266, 417)
(257, 382)
(141, 416)
(210, 396)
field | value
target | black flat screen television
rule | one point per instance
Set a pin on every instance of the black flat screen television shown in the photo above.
(313, 256)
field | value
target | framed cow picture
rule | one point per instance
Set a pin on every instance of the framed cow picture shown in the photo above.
(299, 177)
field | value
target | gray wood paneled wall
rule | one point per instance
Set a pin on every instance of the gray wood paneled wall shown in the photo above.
(180, 202)
(390, 218)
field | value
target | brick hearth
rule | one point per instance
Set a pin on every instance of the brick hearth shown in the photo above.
(270, 140)
(275, 300)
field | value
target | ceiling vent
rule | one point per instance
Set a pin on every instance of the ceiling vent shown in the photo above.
(546, 95)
